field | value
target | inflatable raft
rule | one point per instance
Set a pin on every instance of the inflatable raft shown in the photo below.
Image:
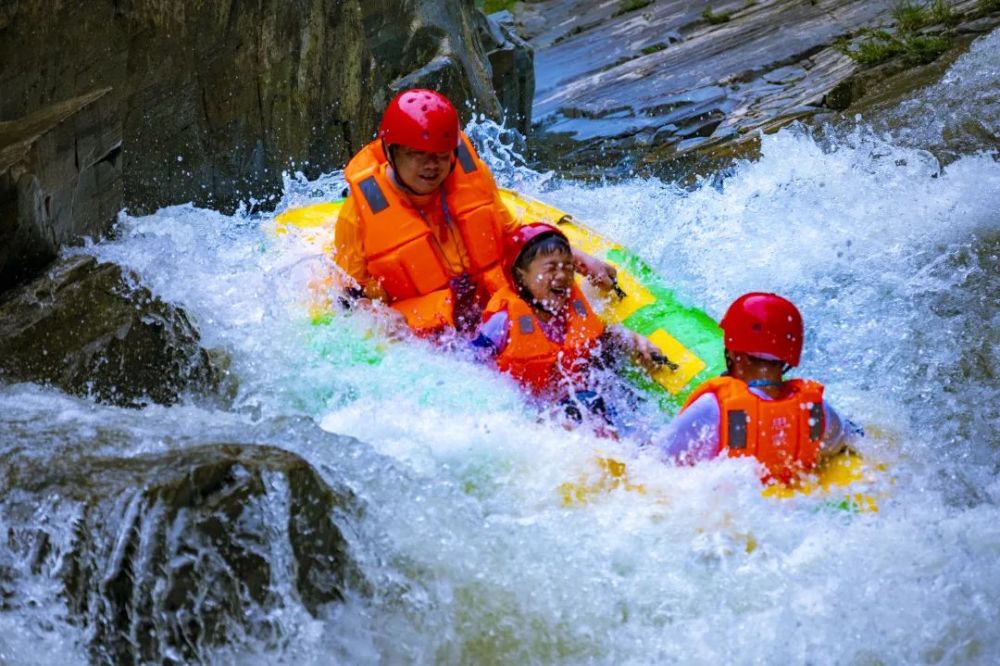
(647, 305)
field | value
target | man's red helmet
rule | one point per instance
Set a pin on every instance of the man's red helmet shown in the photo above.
(517, 241)
(422, 120)
(764, 325)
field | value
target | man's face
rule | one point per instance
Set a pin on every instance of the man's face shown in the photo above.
(421, 171)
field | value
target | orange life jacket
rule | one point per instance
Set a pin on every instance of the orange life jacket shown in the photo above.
(530, 357)
(400, 249)
(783, 434)
(369, 156)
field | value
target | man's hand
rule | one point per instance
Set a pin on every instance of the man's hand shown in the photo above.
(601, 274)
(642, 349)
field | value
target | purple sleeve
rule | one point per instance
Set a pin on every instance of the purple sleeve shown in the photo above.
(693, 435)
(838, 432)
(492, 334)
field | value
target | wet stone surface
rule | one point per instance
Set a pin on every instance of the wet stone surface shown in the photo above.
(662, 83)
(88, 329)
(164, 557)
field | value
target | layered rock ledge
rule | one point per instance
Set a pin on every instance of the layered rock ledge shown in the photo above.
(647, 82)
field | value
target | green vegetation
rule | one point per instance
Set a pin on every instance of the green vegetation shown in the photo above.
(715, 19)
(941, 12)
(879, 45)
(915, 49)
(910, 16)
(626, 6)
(654, 48)
(989, 5)
(491, 6)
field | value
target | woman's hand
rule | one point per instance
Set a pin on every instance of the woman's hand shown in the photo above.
(601, 274)
(646, 353)
(642, 349)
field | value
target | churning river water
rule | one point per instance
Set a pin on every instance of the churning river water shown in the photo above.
(893, 259)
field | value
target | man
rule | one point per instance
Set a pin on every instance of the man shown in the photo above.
(423, 227)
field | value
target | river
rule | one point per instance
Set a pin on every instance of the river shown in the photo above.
(893, 260)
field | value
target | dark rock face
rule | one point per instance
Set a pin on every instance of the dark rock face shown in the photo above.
(60, 179)
(214, 98)
(513, 63)
(171, 555)
(146, 103)
(419, 44)
(84, 328)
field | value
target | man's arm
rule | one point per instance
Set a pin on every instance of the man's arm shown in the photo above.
(349, 254)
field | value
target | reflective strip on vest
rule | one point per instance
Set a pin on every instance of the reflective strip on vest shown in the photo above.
(526, 324)
(465, 158)
(816, 421)
(737, 429)
(373, 194)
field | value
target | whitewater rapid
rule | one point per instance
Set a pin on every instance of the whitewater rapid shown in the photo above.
(892, 259)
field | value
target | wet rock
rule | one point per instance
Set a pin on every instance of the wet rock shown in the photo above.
(60, 180)
(710, 85)
(88, 329)
(169, 556)
(416, 43)
(513, 66)
(215, 100)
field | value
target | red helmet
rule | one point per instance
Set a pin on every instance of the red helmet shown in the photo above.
(422, 120)
(516, 242)
(764, 325)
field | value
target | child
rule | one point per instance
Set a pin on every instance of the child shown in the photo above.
(751, 409)
(543, 332)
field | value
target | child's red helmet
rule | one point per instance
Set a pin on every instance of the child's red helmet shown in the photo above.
(764, 325)
(422, 120)
(517, 241)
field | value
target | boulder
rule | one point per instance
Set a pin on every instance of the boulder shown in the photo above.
(60, 180)
(171, 555)
(88, 329)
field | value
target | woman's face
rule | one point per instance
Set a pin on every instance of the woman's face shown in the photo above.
(549, 280)
(421, 171)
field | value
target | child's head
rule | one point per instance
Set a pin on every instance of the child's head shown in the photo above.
(764, 327)
(539, 263)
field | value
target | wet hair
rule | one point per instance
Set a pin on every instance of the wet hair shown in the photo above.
(550, 243)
